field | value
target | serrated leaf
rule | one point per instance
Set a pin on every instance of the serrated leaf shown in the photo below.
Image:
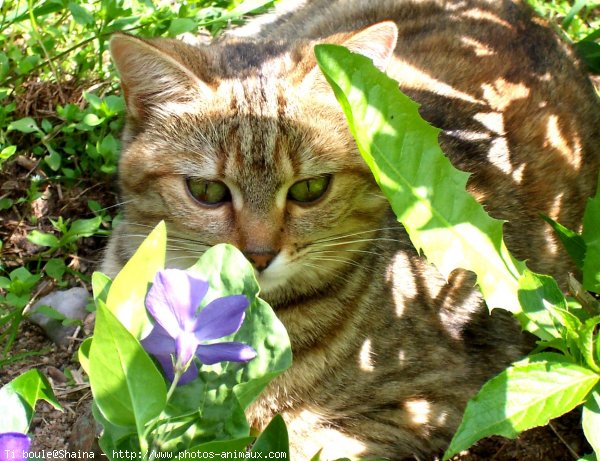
(128, 290)
(527, 394)
(117, 362)
(426, 192)
(590, 420)
(572, 241)
(591, 237)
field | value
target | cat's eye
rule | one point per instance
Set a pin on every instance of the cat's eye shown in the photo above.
(309, 190)
(208, 192)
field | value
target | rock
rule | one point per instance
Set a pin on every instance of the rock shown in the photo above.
(70, 303)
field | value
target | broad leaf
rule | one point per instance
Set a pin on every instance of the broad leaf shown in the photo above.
(127, 387)
(100, 286)
(18, 399)
(590, 420)
(591, 236)
(273, 439)
(525, 395)
(220, 446)
(228, 273)
(128, 290)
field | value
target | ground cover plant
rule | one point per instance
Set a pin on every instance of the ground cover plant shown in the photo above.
(60, 119)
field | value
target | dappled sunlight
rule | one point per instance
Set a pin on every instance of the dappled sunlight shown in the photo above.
(555, 138)
(419, 410)
(364, 357)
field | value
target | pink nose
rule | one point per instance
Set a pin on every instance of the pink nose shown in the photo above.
(260, 260)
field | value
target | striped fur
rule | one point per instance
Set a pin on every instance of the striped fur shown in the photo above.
(386, 352)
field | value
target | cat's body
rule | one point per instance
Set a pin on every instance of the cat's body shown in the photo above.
(386, 353)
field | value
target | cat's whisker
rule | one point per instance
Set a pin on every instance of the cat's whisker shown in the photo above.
(353, 234)
(319, 251)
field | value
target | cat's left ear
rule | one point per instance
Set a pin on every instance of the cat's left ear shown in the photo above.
(376, 42)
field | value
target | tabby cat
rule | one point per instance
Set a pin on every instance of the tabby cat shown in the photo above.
(241, 141)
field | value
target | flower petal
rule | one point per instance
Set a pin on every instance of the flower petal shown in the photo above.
(14, 446)
(159, 341)
(174, 298)
(221, 317)
(210, 354)
(185, 344)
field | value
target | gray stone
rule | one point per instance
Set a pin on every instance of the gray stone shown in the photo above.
(71, 303)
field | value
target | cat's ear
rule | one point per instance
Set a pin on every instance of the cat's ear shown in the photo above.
(153, 76)
(376, 42)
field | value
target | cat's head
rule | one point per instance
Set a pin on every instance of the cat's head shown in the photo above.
(243, 142)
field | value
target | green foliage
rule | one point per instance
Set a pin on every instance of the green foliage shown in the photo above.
(19, 397)
(130, 397)
(453, 231)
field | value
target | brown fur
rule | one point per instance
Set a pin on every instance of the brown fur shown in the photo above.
(386, 352)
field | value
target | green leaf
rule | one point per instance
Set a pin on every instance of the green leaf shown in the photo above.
(5, 204)
(100, 286)
(24, 125)
(426, 192)
(590, 420)
(92, 120)
(55, 268)
(572, 241)
(220, 446)
(228, 272)
(182, 25)
(273, 439)
(585, 339)
(204, 410)
(80, 14)
(83, 354)
(527, 394)
(43, 239)
(83, 228)
(128, 290)
(541, 299)
(591, 237)
(8, 152)
(18, 399)
(16, 414)
(127, 387)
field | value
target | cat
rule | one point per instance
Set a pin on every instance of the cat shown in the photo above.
(241, 141)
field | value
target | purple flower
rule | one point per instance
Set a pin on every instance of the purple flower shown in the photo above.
(14, 446)
(173, 301)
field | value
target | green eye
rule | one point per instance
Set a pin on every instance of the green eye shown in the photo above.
(208, 192)
(309, 190)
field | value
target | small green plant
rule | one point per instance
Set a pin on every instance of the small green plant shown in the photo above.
(453, 230)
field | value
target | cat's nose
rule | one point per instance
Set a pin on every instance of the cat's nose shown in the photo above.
(260, 260)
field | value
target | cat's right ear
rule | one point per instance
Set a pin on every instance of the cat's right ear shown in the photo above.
(153, 78)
